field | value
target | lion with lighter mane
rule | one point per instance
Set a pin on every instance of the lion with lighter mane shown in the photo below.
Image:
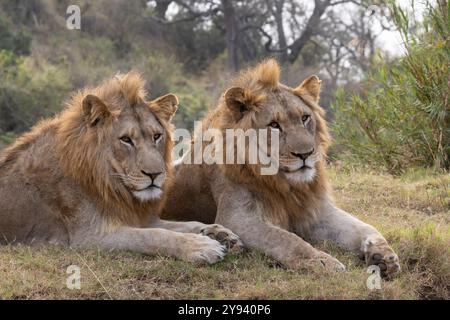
(96, 174)
(280, 214)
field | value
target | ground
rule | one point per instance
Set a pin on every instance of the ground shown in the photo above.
(412, 211)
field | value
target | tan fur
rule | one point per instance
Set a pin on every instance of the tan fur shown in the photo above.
(281, 198)
(79, 149)
(95, 175)
(266, 210)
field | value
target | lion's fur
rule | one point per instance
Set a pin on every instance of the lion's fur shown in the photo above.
(79, 154)
(284, 203)
(95, 176)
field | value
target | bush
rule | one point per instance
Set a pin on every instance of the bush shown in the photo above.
(164, 74)
(18, 42)
(401, 118)
(30, 90)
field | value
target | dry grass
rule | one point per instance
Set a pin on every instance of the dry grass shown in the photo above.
(413, 211)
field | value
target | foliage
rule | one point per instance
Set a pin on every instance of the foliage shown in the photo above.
(402, 119)
(30, 90)
(18, 42)
(164, 75)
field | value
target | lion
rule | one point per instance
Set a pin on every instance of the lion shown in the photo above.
(279, 214)
(95, 175)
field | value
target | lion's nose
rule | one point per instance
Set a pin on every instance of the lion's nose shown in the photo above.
(303, 156)
(151, 175)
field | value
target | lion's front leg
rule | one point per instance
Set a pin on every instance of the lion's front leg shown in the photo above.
(215, 231)
(237, 211)
(345, 230)
(152, 241)
(283, 246)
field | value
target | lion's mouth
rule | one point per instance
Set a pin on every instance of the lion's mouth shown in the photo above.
(150, 187)
(301, 168)
(152, 192)
(302, 173)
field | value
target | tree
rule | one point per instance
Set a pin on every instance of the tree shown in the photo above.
(256, 28)
(238, 21)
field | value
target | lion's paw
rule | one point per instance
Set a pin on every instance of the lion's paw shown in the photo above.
(328, 262)
(377, 252)
(201, 249)
(225, 236)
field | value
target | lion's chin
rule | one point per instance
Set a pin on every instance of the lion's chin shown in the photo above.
(303, 175)
(147, 195)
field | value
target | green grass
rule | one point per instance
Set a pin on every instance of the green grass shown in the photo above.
(412, 211)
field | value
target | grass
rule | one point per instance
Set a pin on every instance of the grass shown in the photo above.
(412, 211)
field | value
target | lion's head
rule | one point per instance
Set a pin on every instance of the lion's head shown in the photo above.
(118, 144)
(257, 100)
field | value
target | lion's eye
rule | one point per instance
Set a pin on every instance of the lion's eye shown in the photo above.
(305, 118)
(275, 125)
(157, 136)
(127, 140)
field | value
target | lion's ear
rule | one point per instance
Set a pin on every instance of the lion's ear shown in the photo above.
(236, 101)
(165, 106)
(94, 110)
(310, 86)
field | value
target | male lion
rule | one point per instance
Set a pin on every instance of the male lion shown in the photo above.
(276, 213)
(95, 174)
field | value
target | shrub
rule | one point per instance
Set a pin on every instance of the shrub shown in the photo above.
(18, 42)
(164, 74)
(30, 90)
(401, 117)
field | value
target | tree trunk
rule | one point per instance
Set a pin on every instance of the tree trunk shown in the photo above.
(278, 15)
(161, 8)
(310, 29)
(231, 35)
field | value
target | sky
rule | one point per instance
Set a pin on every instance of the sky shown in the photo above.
(391, 41)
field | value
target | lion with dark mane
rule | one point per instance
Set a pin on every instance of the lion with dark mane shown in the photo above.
(282, 213)
(95, 175)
